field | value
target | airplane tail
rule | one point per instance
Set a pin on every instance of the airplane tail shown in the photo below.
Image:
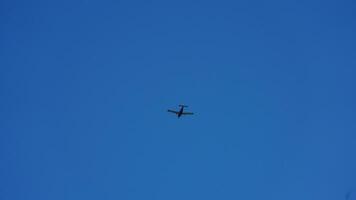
(184, 106)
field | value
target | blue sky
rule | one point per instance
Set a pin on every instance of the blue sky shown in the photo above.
(85, 86)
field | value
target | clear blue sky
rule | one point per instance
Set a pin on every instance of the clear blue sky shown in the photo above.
(85, 86)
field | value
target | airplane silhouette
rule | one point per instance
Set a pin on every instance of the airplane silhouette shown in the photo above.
(181, 111)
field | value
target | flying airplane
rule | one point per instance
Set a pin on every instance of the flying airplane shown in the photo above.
(181, 111)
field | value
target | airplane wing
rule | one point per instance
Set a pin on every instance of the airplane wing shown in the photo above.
(187, 113)
(172, 111)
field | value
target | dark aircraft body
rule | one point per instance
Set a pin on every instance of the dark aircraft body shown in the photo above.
(181, 111)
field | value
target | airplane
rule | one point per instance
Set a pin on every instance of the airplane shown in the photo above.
(181, 111)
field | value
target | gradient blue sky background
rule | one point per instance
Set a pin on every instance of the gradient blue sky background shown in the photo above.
(85, 86)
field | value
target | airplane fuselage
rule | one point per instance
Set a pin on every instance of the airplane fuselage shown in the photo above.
(180, 112)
